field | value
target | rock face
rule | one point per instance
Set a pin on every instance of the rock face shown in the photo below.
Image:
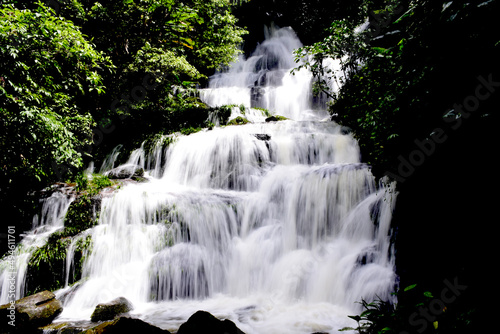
(206, 323)
(256, 97)
(29, 313)
(108, 311)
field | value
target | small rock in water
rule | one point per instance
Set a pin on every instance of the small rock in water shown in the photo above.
(108, 311)
(206, 323)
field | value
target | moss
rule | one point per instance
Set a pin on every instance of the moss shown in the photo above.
(238, 121)
(46, 267)
(82, 213)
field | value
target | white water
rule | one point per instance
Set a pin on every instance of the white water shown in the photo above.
(282, 235)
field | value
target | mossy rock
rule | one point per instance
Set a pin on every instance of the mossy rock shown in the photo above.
(221, 113)
(83, 212)
(238, 121)
(125, 172)
(125, 325)
(46, 267)
(31, 312)
(276, 118)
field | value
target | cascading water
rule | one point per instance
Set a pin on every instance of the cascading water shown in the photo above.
(276, 226)
(264, 79)
(53, 210)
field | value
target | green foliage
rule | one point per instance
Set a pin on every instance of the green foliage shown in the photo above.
(82, 214)
(46, 68)
(242, 108)
(180, 41)
(46, 267)
(412, 315)
(52, 79)
(99, 182)
(401, 76)
(153, 141)
(91, 184)
(82, 181)
(190, 130)
(374, 318)
(65, 101)
(221, 114)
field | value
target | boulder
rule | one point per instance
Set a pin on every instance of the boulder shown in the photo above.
(27, 314)
(125, 172)
(206, 323)
(262, 136)
(345, 130)
(108, 311)
(122, 325)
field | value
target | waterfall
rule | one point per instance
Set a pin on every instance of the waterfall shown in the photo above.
(53, 210)
(265, 80)
(277, 226)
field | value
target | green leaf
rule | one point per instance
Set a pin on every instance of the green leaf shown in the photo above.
(367, 312)
(410, 287)
(355, 317)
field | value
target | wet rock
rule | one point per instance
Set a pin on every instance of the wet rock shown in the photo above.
(125, 172)
(345, 130)
(118, 325)
(27, 314)
(108, 311)
(66, 327)
(122, 325)
(204, 322)
(276, 118)
(262, 136)
(256, 97)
